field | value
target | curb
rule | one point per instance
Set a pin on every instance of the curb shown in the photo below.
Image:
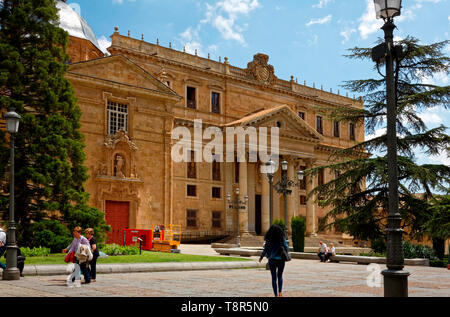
(48, 270)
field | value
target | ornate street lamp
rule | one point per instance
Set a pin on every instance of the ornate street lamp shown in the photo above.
(282, 187)
(238, 205)
(11, 272)
(270, 171)
(395, 278)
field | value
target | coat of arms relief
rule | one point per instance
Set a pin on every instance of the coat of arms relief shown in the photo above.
(260, 70)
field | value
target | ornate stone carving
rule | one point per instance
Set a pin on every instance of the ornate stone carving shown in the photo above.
(120, 136)
(260, 70)
(102, 169)
(119, 166)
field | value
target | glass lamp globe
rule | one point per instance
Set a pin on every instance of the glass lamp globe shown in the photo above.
(387, 9)
(12, 121)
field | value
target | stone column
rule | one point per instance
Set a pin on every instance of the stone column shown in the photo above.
(310, 206)
(243, 191)
(276, 196)
(291, 198)
(265, 207)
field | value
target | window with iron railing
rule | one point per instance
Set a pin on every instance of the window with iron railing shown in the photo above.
(191, 218)
(117, 117)
(217, 219)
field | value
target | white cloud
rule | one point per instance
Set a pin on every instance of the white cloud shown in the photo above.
(320, 20)
(322, 4)
(121, 1)
(104, 44)
(224, 17)
(346, 33)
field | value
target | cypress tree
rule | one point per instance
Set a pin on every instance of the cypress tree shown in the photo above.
(358, 196)
(50, 171)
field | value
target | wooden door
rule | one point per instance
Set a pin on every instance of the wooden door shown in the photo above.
(258, 224)
(117, 216)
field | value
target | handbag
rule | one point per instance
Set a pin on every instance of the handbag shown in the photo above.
(285, 255)
(69, 258)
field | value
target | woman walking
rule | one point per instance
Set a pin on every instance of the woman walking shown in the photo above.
(275, 241)
(73, 247)
(89, 233)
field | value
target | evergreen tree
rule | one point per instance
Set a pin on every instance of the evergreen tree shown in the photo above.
(49, 174)
(358, 196)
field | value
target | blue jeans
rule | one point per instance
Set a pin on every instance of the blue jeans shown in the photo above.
(321, 256)
(276, 269)
(85, 271)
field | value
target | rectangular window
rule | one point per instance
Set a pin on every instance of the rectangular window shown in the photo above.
(191, 166)
(320, 177)
(191, 218)
(336, 131)
(301, 114)
(216, 219)
(216, 171)
(117, 117)
(191, 99)
(302, 200)
(352, 131)
(191, 190)
(216, 192)
(319, 124)
(215, 102)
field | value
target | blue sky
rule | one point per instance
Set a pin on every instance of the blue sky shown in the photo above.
(303, 38)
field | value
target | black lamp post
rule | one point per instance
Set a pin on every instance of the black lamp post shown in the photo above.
(282, 187)
(238, 205)
(270, 171)
(11, 272)
(395, 278)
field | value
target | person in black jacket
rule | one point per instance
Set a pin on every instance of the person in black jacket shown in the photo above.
(272, 249)
(89, 234)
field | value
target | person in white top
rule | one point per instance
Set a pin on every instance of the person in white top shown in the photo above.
(322, 251)
(330, 252)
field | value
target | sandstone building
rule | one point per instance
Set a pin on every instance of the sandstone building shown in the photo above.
(132, 100)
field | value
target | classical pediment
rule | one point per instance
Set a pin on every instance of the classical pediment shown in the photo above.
(284, 118)
(121, 70)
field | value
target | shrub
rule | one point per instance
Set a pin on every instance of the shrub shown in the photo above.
(115, 249)
(48, 234)
(439, 263)
(279, 222)
(412, 251)
(298, 226)
(378, 245)
(40, 251)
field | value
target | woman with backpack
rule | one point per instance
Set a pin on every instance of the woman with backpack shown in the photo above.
(275, 249)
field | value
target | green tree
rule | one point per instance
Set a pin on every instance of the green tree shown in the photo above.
(358, 196)
(49, 163)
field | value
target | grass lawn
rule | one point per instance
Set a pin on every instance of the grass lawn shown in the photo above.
(146, 257)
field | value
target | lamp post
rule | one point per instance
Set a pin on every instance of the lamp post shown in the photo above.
(11, 272)
(395, 278)
(238, 205)
(270, 171)
(282, 187)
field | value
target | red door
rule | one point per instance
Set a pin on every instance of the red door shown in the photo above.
(117, 216)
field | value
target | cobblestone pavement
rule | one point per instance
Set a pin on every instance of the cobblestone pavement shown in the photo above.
(302, 278)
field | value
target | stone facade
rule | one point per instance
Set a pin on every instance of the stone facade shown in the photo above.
(161, 89)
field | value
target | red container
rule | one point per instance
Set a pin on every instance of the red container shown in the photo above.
(131, 237)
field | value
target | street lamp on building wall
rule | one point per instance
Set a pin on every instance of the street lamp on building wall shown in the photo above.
(11, 272)
(238, 205)
(395, 278)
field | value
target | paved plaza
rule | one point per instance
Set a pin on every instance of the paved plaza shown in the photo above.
(302, 278)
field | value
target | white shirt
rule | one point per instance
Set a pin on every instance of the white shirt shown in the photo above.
(323, 248)
(332, 250)
(2, 237)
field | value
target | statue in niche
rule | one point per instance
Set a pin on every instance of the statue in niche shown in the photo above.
(119, 166)
(102, 169)
(133, 172)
